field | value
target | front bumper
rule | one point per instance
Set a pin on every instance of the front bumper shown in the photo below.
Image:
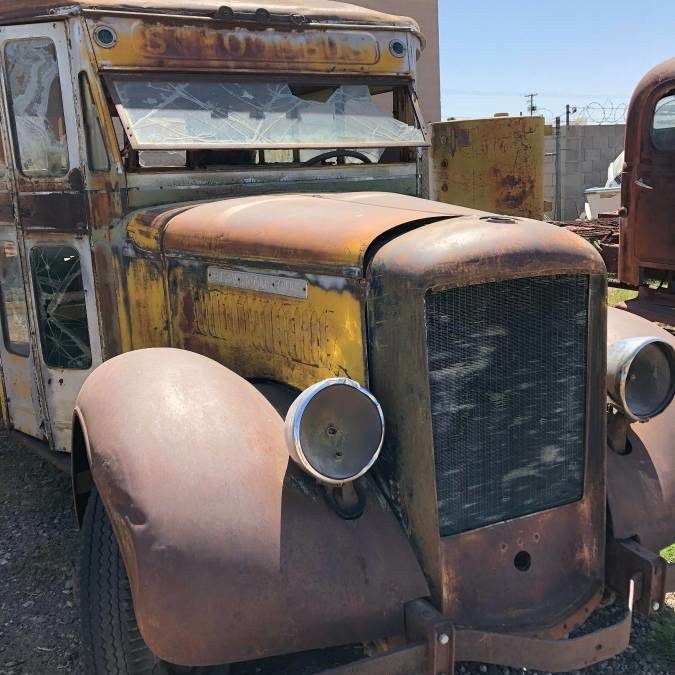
(627, 560)
(435, 646)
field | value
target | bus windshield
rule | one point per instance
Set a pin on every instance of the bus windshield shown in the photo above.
(183, 113)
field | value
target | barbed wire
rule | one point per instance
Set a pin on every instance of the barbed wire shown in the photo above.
(596, 112)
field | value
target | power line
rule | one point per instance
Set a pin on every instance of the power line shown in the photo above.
(475, 92)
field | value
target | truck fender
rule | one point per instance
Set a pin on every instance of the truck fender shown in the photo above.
(641, 484)
(232, 553)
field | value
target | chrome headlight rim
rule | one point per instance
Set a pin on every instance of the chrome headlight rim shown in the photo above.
(295, 416)
(621, 357)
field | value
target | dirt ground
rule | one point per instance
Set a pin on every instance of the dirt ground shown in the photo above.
(39, 630)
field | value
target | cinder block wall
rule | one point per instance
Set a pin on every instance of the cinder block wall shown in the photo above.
(586, 151)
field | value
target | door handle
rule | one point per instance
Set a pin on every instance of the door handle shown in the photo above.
(640, 182)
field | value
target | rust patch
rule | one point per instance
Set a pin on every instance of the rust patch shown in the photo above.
(111, 344)
(288, 228)
(186, 575)
(61, 211)
(309, 47)
(6, 209)
(515, 191)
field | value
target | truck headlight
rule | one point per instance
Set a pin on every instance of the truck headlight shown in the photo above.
(641, 376)
(335, 430)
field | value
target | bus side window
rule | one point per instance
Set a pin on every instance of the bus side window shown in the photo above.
(14, 312)
(36, 107)
(61, 307)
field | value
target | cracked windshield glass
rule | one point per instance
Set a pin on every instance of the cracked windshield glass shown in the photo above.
(196, 113)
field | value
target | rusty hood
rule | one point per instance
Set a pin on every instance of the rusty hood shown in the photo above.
(332, 232)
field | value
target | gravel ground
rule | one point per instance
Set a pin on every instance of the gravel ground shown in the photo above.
(38, 614)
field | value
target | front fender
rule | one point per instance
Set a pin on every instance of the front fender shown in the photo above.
(231, 553)
(641, 484)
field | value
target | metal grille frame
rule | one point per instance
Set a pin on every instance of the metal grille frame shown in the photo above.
(508, 392)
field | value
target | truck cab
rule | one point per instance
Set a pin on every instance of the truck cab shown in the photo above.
(647, 242)
(303, 406)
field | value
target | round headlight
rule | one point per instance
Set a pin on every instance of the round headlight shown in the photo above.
(334, 430)
(641, 376)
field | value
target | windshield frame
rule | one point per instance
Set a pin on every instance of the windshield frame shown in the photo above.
(399, 83)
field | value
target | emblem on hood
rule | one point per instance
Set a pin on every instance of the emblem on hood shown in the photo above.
(263, 283)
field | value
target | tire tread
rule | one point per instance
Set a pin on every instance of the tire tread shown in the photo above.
(112, 643)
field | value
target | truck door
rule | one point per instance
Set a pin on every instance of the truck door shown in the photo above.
(51, 216)
(648, 188)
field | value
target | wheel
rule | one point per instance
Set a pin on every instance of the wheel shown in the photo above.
(111, 641)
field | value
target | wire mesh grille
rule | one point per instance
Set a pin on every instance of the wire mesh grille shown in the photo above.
(507, 368)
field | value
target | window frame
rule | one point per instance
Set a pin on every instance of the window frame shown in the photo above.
(386, 82)
(86, 92)
(12, 118)
(652, 118)
(57, 32)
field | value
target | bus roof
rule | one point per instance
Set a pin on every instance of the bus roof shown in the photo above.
(320, 11)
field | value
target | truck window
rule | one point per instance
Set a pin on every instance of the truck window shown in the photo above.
(61, 309)
(14, 314)
(97, 155)
(36, 107)
(663, 127)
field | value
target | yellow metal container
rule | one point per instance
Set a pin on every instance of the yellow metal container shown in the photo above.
(494, 164)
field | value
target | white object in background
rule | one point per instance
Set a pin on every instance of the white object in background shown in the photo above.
(602, 200)
(614, 171)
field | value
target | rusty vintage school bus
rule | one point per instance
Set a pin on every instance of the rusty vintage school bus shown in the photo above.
(304, 407)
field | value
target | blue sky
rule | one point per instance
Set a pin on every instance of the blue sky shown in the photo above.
(494, 52)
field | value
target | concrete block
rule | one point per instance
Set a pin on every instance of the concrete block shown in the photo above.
(574, 187)
(574, 182)
(590, 141)
(614, 141)
(571, 144)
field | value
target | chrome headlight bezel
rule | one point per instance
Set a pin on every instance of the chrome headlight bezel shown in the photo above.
(622, 356)
(294, 429)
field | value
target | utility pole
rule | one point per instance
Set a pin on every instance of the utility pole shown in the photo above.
(531, 108)
(557, 201)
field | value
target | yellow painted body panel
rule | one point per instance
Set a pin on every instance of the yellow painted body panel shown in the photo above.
(494, 164)
(143, 311)
(194, 45)
(298, 341)
(143, 234)
(164, 297)
(145, 227)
